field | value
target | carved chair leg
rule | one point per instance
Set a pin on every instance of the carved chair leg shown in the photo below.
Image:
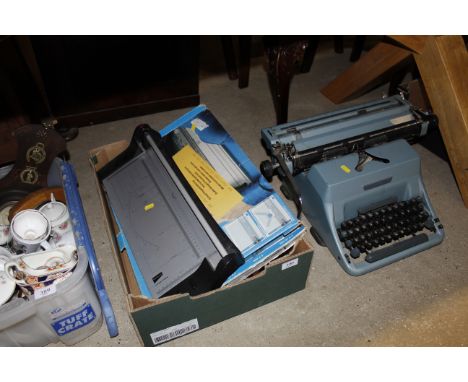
(281, 63)
(309, 53)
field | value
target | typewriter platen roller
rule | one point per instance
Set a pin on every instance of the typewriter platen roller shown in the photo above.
(356, 178)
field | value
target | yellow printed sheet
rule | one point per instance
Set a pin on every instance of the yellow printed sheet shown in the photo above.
(216, 194)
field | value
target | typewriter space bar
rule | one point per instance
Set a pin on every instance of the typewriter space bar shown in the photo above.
(396, 248)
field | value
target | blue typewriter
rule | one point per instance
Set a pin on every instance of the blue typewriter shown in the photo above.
(358, 181)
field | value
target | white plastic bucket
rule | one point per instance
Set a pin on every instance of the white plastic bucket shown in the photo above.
(68, 312)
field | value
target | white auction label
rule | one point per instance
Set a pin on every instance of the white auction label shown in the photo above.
(289, 264)
(174, 331)
(44, 292)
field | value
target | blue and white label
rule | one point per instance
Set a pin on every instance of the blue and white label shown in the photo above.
(74, 321)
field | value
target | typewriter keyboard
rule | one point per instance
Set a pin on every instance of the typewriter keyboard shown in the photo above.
(398, 225)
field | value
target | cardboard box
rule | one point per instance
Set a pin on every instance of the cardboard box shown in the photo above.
(160, 320)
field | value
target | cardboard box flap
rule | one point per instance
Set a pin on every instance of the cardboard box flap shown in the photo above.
(102, 155)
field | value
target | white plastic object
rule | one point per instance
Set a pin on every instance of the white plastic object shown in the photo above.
(68, 313)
